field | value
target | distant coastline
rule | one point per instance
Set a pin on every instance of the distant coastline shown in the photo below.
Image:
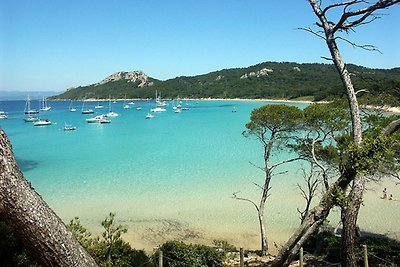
(380, 108)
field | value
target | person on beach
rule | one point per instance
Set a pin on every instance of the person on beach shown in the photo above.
(391, 197)
(384, 193)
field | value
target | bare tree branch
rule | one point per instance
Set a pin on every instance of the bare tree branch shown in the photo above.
(258, 167)
(318, 34)
(363, 12)
(362, 91)
(391, 128)
(245, 199)
(284, 162)
(365, 47)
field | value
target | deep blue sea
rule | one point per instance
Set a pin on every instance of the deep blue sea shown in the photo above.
(167, 177)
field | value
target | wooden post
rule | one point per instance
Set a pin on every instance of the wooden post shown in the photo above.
(365, 256)
(160, 258)
(241, 257)
(301, 257)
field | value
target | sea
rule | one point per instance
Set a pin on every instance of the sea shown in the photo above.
(169, 177)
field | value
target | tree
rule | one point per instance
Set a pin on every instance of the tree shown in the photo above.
(353, 13)
(40, 229)
(271, 125)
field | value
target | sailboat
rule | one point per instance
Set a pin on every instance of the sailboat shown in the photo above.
(125, 106)
(71, 107)
(110, 112)
(149, 116)
(99, 105)
(159, 101)
(28, 109)
(68, 127)
(44, 105)
(86, 110)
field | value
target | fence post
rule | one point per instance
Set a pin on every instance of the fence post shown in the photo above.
(301, 257)
(365, 256)
(241, 257)
(160, 258)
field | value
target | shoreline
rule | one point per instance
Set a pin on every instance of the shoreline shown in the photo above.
(384, 108)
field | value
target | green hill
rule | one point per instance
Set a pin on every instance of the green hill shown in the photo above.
(284, 80)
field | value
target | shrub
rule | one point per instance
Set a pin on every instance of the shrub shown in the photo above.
(179, 254)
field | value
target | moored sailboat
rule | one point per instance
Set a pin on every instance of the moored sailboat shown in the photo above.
(45, 107)
(28, 110)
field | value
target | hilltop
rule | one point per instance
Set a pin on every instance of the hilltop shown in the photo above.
(283, 80)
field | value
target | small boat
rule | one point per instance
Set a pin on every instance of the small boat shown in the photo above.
(98, 106)
(125, 106)
(69, 127)
(149, 116)
(158, 109)
(104, 120)
(31, 119)
(159, 101)
(110, 112)
(28, 109)
(96, 119)
(71, 107)
(178, 110)
(44, 122)
(139, 108)
(44, 105)
(131, 103)
(86, 110)
(3, 115)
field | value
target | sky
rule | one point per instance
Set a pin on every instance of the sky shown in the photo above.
(55, 45)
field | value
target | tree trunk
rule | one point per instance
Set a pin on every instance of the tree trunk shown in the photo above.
(263, 236)
(40, 229)
(349, 219)
(312, 222)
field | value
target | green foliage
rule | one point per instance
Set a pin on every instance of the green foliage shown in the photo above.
(366, 158)
(287, 81)
(224, 246)
(330, 117)
(275, 118)
(382, 251)
(110, 250)
(179, 254)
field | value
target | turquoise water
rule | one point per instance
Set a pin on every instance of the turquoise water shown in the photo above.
(169, 177)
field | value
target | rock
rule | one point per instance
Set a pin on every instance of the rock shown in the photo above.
(132, 76)
(258, 74)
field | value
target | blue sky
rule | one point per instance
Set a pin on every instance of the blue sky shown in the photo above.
(55, 45)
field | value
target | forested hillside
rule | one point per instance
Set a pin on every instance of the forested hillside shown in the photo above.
(266, 80)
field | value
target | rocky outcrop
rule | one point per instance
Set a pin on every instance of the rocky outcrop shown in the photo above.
(133, 76)
(258, 74)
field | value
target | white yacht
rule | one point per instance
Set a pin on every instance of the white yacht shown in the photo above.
(3, 115)
(44, 122)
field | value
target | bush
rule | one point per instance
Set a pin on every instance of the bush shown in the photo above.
(110, 250)
(179, 254)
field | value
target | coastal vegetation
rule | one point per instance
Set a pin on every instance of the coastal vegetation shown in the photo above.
(275, 80)
(359, 148)
(363, 152)
(272, 125)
